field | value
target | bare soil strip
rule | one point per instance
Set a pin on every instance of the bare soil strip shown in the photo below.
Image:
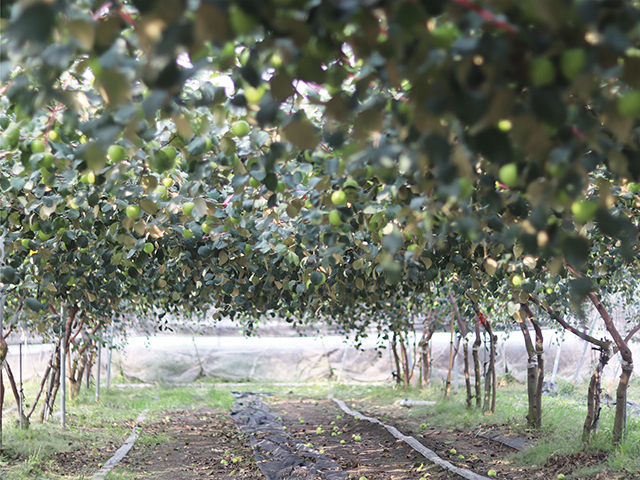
(415, 444)
(361, 448)
(192, 443)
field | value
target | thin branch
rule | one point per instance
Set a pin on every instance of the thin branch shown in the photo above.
(605, 344)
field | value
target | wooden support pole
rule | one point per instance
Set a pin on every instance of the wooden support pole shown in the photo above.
(63, 374)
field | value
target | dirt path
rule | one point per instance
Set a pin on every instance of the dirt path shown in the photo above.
(377, 455)
(206, 443)
(200, 443)
(361, 448)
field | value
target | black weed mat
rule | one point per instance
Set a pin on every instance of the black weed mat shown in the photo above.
(278, 456)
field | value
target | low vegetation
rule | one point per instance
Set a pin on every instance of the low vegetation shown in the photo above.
(41, 452)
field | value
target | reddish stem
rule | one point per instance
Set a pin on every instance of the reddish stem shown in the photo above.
(578, 133)
(486, 15)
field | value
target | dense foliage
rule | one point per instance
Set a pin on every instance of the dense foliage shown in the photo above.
(307, 157)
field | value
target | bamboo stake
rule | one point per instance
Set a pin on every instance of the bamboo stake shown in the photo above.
(447, 392)
(109, 355)
(556, 362)
(98, 364)
(20, 412)
(63, 382)
(3, 353)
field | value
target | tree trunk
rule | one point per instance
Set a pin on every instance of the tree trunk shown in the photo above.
(447, 390)
(465, 344)
(593, 398)
(1, 405)
(396, 358)
(540, 353)
(81, 361)
(490, 377)
(487, 391)
(16, 395)
(620, 420)
(406, 368)
(42, 384)
(490, 381)
(425, 350)
(56, 386)
(467, 379)
(539, 350)
(477, 343)
(75, 380)
(532, 376)
(47, 407)
(425, 379)
(88, 369)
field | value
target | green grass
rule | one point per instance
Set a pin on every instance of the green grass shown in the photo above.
(29, 454)
(563, 417)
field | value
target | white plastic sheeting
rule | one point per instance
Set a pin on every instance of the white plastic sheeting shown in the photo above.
(183, 359)
(179, 359)
(35, 360)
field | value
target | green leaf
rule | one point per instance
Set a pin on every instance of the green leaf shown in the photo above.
(148, 206)
(316, 278)
(8, 275)
(392, 242)
(302, 134)
(34, 305)
(34, 23)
